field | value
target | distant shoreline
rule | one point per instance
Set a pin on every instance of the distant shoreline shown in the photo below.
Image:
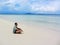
(27, 14)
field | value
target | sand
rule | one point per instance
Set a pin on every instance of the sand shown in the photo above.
(32, 35)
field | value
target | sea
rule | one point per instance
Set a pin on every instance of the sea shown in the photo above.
(49, 21)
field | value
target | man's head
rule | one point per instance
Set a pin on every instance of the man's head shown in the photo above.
(16, 24)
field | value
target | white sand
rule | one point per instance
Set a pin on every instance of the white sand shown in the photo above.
(33, 35)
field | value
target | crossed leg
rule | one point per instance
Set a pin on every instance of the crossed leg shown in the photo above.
(19, 31)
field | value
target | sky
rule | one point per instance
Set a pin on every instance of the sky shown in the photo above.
(30, 6)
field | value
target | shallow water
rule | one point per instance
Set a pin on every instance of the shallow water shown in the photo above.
(51, 22)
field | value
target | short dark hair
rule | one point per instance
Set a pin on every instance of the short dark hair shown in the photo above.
(15, 23)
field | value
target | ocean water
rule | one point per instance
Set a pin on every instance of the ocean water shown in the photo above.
(51, 22)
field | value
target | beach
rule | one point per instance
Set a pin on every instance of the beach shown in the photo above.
(38, 30)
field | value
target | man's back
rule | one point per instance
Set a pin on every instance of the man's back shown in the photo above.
(14, 29)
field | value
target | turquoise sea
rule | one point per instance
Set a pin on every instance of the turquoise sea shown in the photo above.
(51, 22)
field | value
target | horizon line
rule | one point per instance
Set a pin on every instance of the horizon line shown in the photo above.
(27, 14)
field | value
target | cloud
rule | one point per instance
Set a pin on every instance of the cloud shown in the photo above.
(36, 6)
(51, 6)
(14, 5)
(19, 4)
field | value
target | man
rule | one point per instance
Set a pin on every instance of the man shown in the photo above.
(16, 29)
